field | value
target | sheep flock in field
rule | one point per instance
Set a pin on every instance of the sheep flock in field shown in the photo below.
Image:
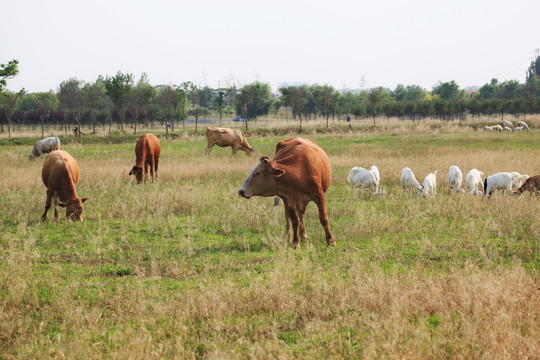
(511, 182)
(506, 125)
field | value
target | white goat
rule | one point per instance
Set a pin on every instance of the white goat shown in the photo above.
(474, 181)
(408, 180)
(360, 177)
(455, 177)
(497, 128)
(429, 185)
(506, 128)
(502, 181)
(506, 123)
(375, 170)
(523, 124)
(517, 182)
(488, 128)
(518, 128)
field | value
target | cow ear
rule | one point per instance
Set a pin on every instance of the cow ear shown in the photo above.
(84, 199)
(61, 204)
(278, 172)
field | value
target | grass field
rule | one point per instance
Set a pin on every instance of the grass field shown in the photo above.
(183, 268)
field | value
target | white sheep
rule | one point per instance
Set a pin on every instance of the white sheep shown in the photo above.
(499, 181)
(429, 185)
(523, 124)
(474, 181)
(518, 179)
(488, 128)
(518, 128)
(408, 180)
(506, 128)
(497, 128)
(360, 177)
(455, 177)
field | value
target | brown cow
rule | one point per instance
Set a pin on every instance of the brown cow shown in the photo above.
(224, 137)
(532, 185)
(299, 173)
(147, 153)
(60, 175)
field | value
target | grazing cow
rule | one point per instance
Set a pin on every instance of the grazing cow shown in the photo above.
(44, 146)
(532, 185)
(502, 180)
(455, 177)
(474, 181)
(147, 153)
(224, 137)
(408, 180)
(60, 175)
(506, 123)
(300, 172)
(360, 177)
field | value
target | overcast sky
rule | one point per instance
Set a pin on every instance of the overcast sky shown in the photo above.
(219, 43)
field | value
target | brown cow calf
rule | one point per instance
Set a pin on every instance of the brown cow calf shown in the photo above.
(60, 175)
(147, 153)
(300, 172)
(532, 185)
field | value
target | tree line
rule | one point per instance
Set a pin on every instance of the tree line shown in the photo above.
(119, 100)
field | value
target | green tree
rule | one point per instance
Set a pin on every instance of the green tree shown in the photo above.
(325, 97)
(8, 100)
(45, 102)
(70, 97)
(93, 94)
(446, 90)
(508, 91)
(169, 101)
(374, 98)
(297, 100)
(119, 88)
(254, 100)
(7, 71)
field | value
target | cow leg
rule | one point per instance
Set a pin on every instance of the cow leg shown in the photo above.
(55, 201)
(302, 226)
(47, 205)
(234, 150)
(156, 167)
(293, 216)
(145, 171)
(152, 167)
(288, 221)
(323, 217)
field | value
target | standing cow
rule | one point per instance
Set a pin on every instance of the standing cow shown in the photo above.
(44, 146)
(300, 172)
(60, 175)
(224, 137)
(147, 153)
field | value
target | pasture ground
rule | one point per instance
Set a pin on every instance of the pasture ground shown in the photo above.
(183, 268)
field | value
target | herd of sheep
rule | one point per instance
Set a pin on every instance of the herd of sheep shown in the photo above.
(506, 125)
(370, 179)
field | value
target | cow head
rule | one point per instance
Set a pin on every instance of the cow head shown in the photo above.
(74, 208)
(138, 172)
(250, 151)
(261, 181)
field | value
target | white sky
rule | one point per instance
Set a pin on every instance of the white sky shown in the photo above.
(214, 42)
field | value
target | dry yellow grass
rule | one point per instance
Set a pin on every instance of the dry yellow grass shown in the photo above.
(183, 268)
